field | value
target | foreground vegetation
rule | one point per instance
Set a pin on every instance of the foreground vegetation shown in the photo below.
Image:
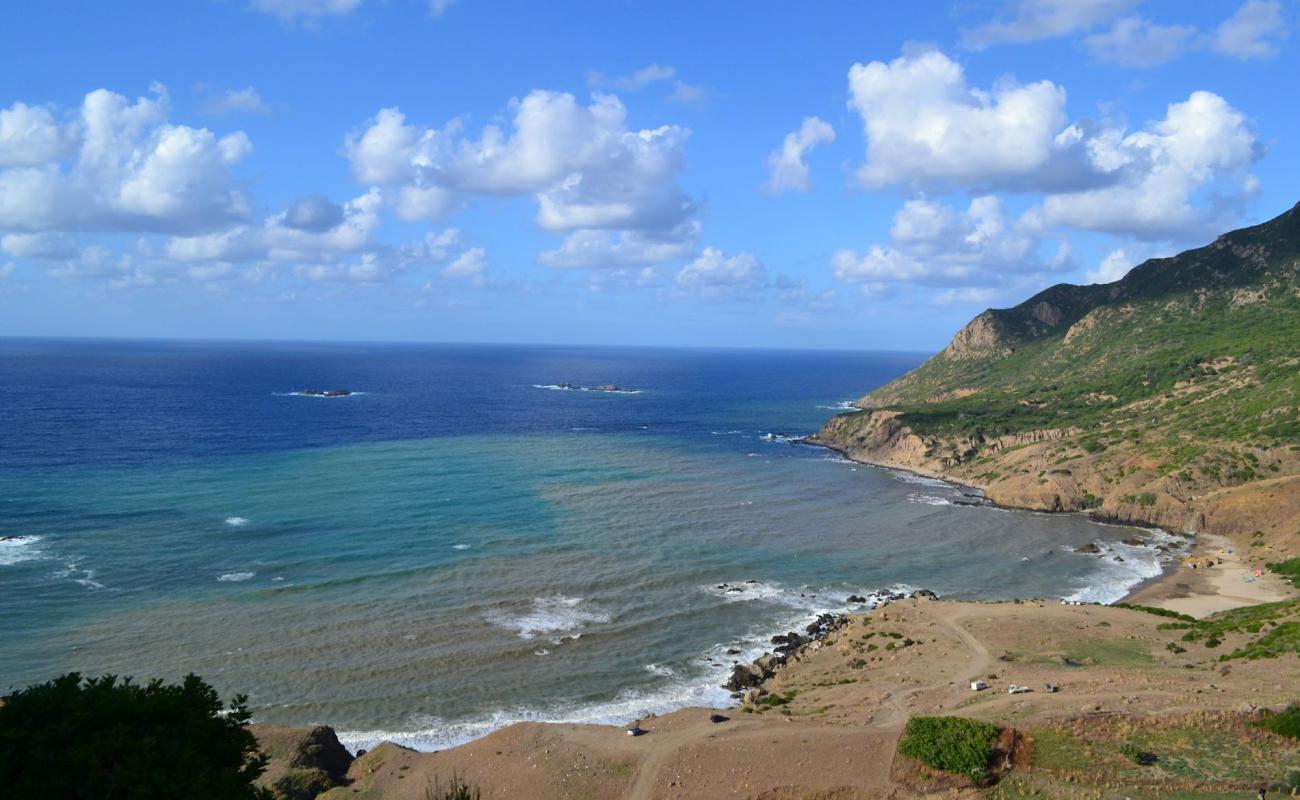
(105, 739)
(950, 744)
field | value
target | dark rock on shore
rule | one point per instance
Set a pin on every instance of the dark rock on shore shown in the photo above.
(1090, 548)
(747, 679)
(304, 762)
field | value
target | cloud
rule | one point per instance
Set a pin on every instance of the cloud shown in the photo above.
(439, 7)
(1033, 20)
(470, 266)
(1162, 171)
(1138, 42)
(30, 136)
(613, 190)
(313, 213)
(124, 168)
(786, 167)
(937, 246)
(686, 93)
(368, 269)
(596, 249)
(54, 246)
(1252, 31)
(232, 101)
(1113, 267)
(300, 233)
(653, 73)
(434, 247)
(925, 125)
(305, 12)
(714, 270)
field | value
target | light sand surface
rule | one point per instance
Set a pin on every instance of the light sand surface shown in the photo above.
(847, 702)
(1231, 583)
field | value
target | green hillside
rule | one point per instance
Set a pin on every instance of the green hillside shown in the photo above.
(1221, 324)
(1180, 380)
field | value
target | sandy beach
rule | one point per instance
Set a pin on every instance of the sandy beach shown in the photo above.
(1233, 580)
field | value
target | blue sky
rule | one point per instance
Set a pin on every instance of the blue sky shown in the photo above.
(839, 174)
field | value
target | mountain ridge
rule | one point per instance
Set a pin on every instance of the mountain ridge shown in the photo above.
(1169, 397)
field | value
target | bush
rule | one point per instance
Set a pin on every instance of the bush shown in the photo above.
(456, 789)
(1137, 755)
(1290, 569)
(105, 739)
(1283, 723)
(950, 744)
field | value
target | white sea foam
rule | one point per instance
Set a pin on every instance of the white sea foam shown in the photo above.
(236, 522)
(548, 615)
(928, 499)
(73, 571)
(1116, 578)
(843, 405)
(808, 599)
(430, 733)
(836, 458)
(14, 549)
(235, 577)
(698, 684)
(460, 547)
(782, 438)
(918, 480)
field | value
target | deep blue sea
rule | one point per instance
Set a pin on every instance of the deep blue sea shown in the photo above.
(457, 546)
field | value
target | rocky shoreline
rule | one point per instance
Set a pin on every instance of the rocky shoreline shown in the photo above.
(746, 681)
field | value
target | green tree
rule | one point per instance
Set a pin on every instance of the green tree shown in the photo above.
(105, 739)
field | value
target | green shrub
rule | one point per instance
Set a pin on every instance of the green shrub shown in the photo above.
(1137, 755)
(1283, 723)
(950, 744)
(1159, 612)
(1290, 569)
(107, 739)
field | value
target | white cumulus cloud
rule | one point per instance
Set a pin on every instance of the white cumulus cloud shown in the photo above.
(712, 269)
(125, 167)
(609, 188)
(931, 244)
(787, 168)
(1201, 142)
(924, 124)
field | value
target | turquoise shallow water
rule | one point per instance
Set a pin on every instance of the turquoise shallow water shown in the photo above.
(495, 551)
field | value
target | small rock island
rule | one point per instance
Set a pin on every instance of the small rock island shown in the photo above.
(612, 388)
(326, 392)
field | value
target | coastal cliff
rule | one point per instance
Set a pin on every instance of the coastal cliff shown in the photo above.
(1169, 398)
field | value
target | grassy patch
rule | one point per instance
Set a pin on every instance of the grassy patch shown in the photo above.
(950, 744)
(1269, 623)
(1284, 723)
(1289, 568)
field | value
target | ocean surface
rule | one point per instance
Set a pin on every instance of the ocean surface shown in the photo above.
(462, 544)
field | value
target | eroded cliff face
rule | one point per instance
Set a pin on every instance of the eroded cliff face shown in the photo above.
(1049, 470)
